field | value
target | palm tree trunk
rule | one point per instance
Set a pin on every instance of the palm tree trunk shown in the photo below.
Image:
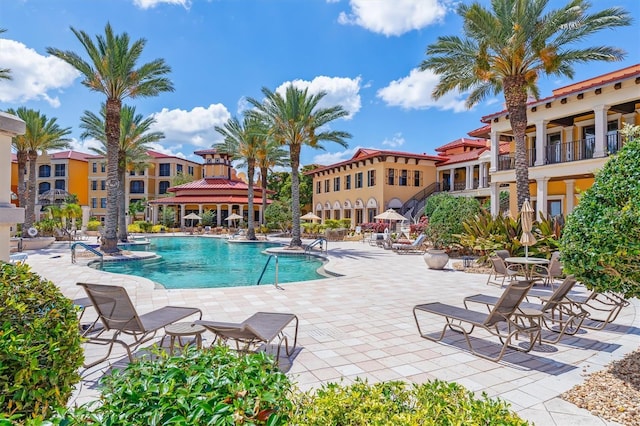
(109, 238)
(251, 231)
(263, 177)
(30, 207)
(296, 241)
(22, 184)
(515, 95)
(122, 216)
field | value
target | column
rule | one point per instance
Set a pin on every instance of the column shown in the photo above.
(182, 208)
(541, 141)
(570, 190)
(199, 209)
(567, 138)
(452, 177)
(601, 130)
(485, 174)
(495, 199)
(260, 214)
(154, 214)
(10, 126)
(541, 198)
(469, 175)
(495, 151)
(218, 214)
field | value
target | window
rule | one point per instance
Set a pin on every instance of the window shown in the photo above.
(164, 185)
(318, 187)
(359, 180)
(136, 187)
(403, 178)
(178, 168)
(94, 185)
(554, 208)
(44, 187)
(59, 184)
(94, 202)
(103, 203)
(60, 170)
(44, 171)
(336, 184)
(190, 170)
(347, 182)
(94, 168)
(165, 169)
(417, 178)
(554, 147)
(326, 185)
(371, 178)
(103, 185)
(391, 176)
(103, 167)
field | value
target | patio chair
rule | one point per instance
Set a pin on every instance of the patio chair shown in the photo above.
(551, 271)
(501, 271)
(603, 308)
(503, 321)
(502, 253)
(261, 328)
(417, 246)
(558, 313)
(119, 316)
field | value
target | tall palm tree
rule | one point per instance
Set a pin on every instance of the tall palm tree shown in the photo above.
(112, 70)
(506, 49)
(41, 135)
(5, 73)
(135, 134)
(242, 142)
(269, 155)
(296, 120)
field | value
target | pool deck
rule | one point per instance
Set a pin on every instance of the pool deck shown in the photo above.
(361, 325)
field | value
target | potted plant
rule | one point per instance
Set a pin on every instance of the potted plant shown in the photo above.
(436, 257)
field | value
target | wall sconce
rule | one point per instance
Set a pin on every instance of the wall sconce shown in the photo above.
(547, 105)
(617, 86)
(563, 101)
(580, 95)
(598, 91)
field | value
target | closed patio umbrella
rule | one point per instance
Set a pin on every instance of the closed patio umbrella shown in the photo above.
(526, 220)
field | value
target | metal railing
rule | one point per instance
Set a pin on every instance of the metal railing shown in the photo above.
(265, 269)
(320, 241)
(417, 202)
(88, 248)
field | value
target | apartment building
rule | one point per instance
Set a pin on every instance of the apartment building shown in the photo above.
(570, 136)
(371, 182)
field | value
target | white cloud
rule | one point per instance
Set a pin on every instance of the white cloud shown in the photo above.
(414, 92)
(150, 4)
(340, 91)
(394, 18)
(396, 141)
(33, 75)
(327, 158)
(85, 145)
(174, 150)
(194, 127)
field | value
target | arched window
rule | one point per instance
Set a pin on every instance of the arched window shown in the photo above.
(44, 171)
(44, 187)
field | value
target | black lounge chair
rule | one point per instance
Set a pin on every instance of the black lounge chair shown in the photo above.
(503, 321)
(119, 316)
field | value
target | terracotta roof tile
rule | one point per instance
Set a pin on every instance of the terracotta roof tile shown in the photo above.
(475, 143)
(365, 153)
(465, 156)
(207, 199)
(72, 155)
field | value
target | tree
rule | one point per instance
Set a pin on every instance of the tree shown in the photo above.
(242, 141)
(600, 242)
(111, 70)
(180, 179)
(447, 215)
(296, 120)
(5, 73)
(278, 216)
(506, 49)
(135, 134)
(41, 135)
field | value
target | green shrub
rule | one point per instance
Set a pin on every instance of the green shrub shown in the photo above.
(93, 225)
(158, 228)
(600, 243)
(446, 214)
(134, 228)
(397, 403)
(200, 387)
(40, 345)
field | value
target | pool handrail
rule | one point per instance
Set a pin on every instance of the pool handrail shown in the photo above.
(86, 246)
(265, 269)
(318, 241)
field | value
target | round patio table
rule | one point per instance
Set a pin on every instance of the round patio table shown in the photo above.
(184, 329)
(529, 264)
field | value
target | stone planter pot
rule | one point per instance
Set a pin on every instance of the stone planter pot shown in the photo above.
(37, 243)
(436, 259)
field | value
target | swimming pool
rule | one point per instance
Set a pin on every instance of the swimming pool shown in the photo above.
(200, 262)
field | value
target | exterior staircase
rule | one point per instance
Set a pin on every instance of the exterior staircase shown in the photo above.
(414, 206)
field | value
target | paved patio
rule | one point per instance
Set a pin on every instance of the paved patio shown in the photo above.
(361, 325)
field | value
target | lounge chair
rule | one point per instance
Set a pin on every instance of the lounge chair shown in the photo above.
(558, 313)
(260, 328)
(118, 315)
(502, 321)
(603, 308)
(551, 271)
(417, 246)
(501, 271)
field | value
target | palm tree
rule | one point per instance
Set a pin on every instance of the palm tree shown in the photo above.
(269, 155)
(135, 134)
(507, 49)
(5, 73)
(41, 135)
(111, 70)
(296, 120)
(242, 142)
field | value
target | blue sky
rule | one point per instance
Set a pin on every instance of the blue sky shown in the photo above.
(364, 53)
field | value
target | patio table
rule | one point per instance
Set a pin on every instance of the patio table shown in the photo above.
(529, 263)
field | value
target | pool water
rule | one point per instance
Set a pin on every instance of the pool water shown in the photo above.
(200, 262)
